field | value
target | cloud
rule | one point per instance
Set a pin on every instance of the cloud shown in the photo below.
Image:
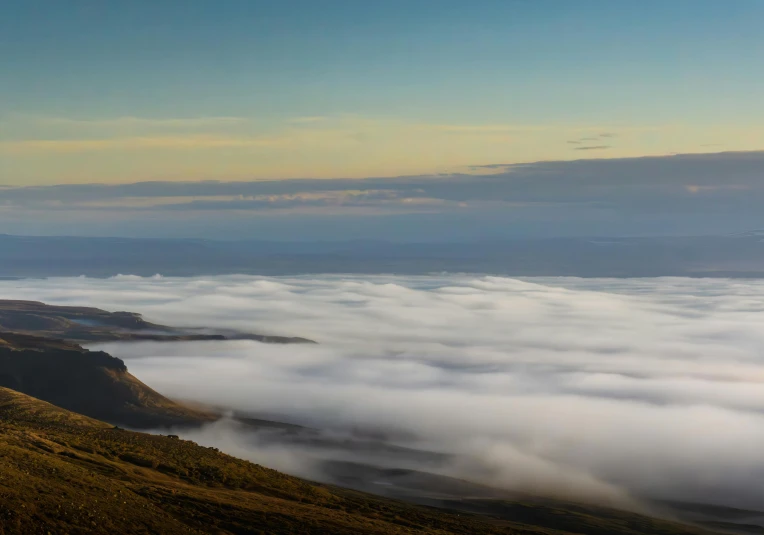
(604, 135)
(491, 166)
(594, 147)
(689, 194)
(595, 388)
(303, 200)
(131, 143)
(334, 199)
(601, 179)
(140, 122)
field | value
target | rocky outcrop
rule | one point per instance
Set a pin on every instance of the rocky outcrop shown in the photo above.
(92, 383)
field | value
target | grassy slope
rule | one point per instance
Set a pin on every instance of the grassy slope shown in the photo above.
(65, 473)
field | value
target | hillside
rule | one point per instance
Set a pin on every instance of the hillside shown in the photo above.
(88, 382)
(65, 473)
(40, 356)
(87, 324)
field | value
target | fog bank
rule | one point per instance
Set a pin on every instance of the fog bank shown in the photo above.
(601, 388)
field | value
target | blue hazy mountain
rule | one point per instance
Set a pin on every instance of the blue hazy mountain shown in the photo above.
(739, 255)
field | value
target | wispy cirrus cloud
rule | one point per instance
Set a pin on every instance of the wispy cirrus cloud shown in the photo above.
(594, 147)
(140, 122)
(134, 143)
(24, 134)
(589, 139)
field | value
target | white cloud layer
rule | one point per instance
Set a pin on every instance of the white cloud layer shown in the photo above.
(648, 387)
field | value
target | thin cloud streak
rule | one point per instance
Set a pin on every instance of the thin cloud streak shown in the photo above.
(594, 147)
(140, 122)
(133, 143)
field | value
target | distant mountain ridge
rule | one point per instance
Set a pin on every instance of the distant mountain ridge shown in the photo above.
(740, 255)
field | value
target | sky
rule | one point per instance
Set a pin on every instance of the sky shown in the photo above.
(680, 195)
(415, 119)
(116, 92)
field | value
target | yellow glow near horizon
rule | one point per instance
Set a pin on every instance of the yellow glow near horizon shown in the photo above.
(132, 149)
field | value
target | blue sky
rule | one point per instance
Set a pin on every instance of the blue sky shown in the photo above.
(245, 89)
(180, 58)
(250, 91)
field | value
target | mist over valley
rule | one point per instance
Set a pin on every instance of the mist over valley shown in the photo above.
(625, 392)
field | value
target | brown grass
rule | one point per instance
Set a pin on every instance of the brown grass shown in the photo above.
(61, 472)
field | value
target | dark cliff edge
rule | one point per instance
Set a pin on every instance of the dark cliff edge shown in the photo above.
(92, 383)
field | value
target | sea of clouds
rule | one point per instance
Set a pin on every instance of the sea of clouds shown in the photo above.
(605, 389)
